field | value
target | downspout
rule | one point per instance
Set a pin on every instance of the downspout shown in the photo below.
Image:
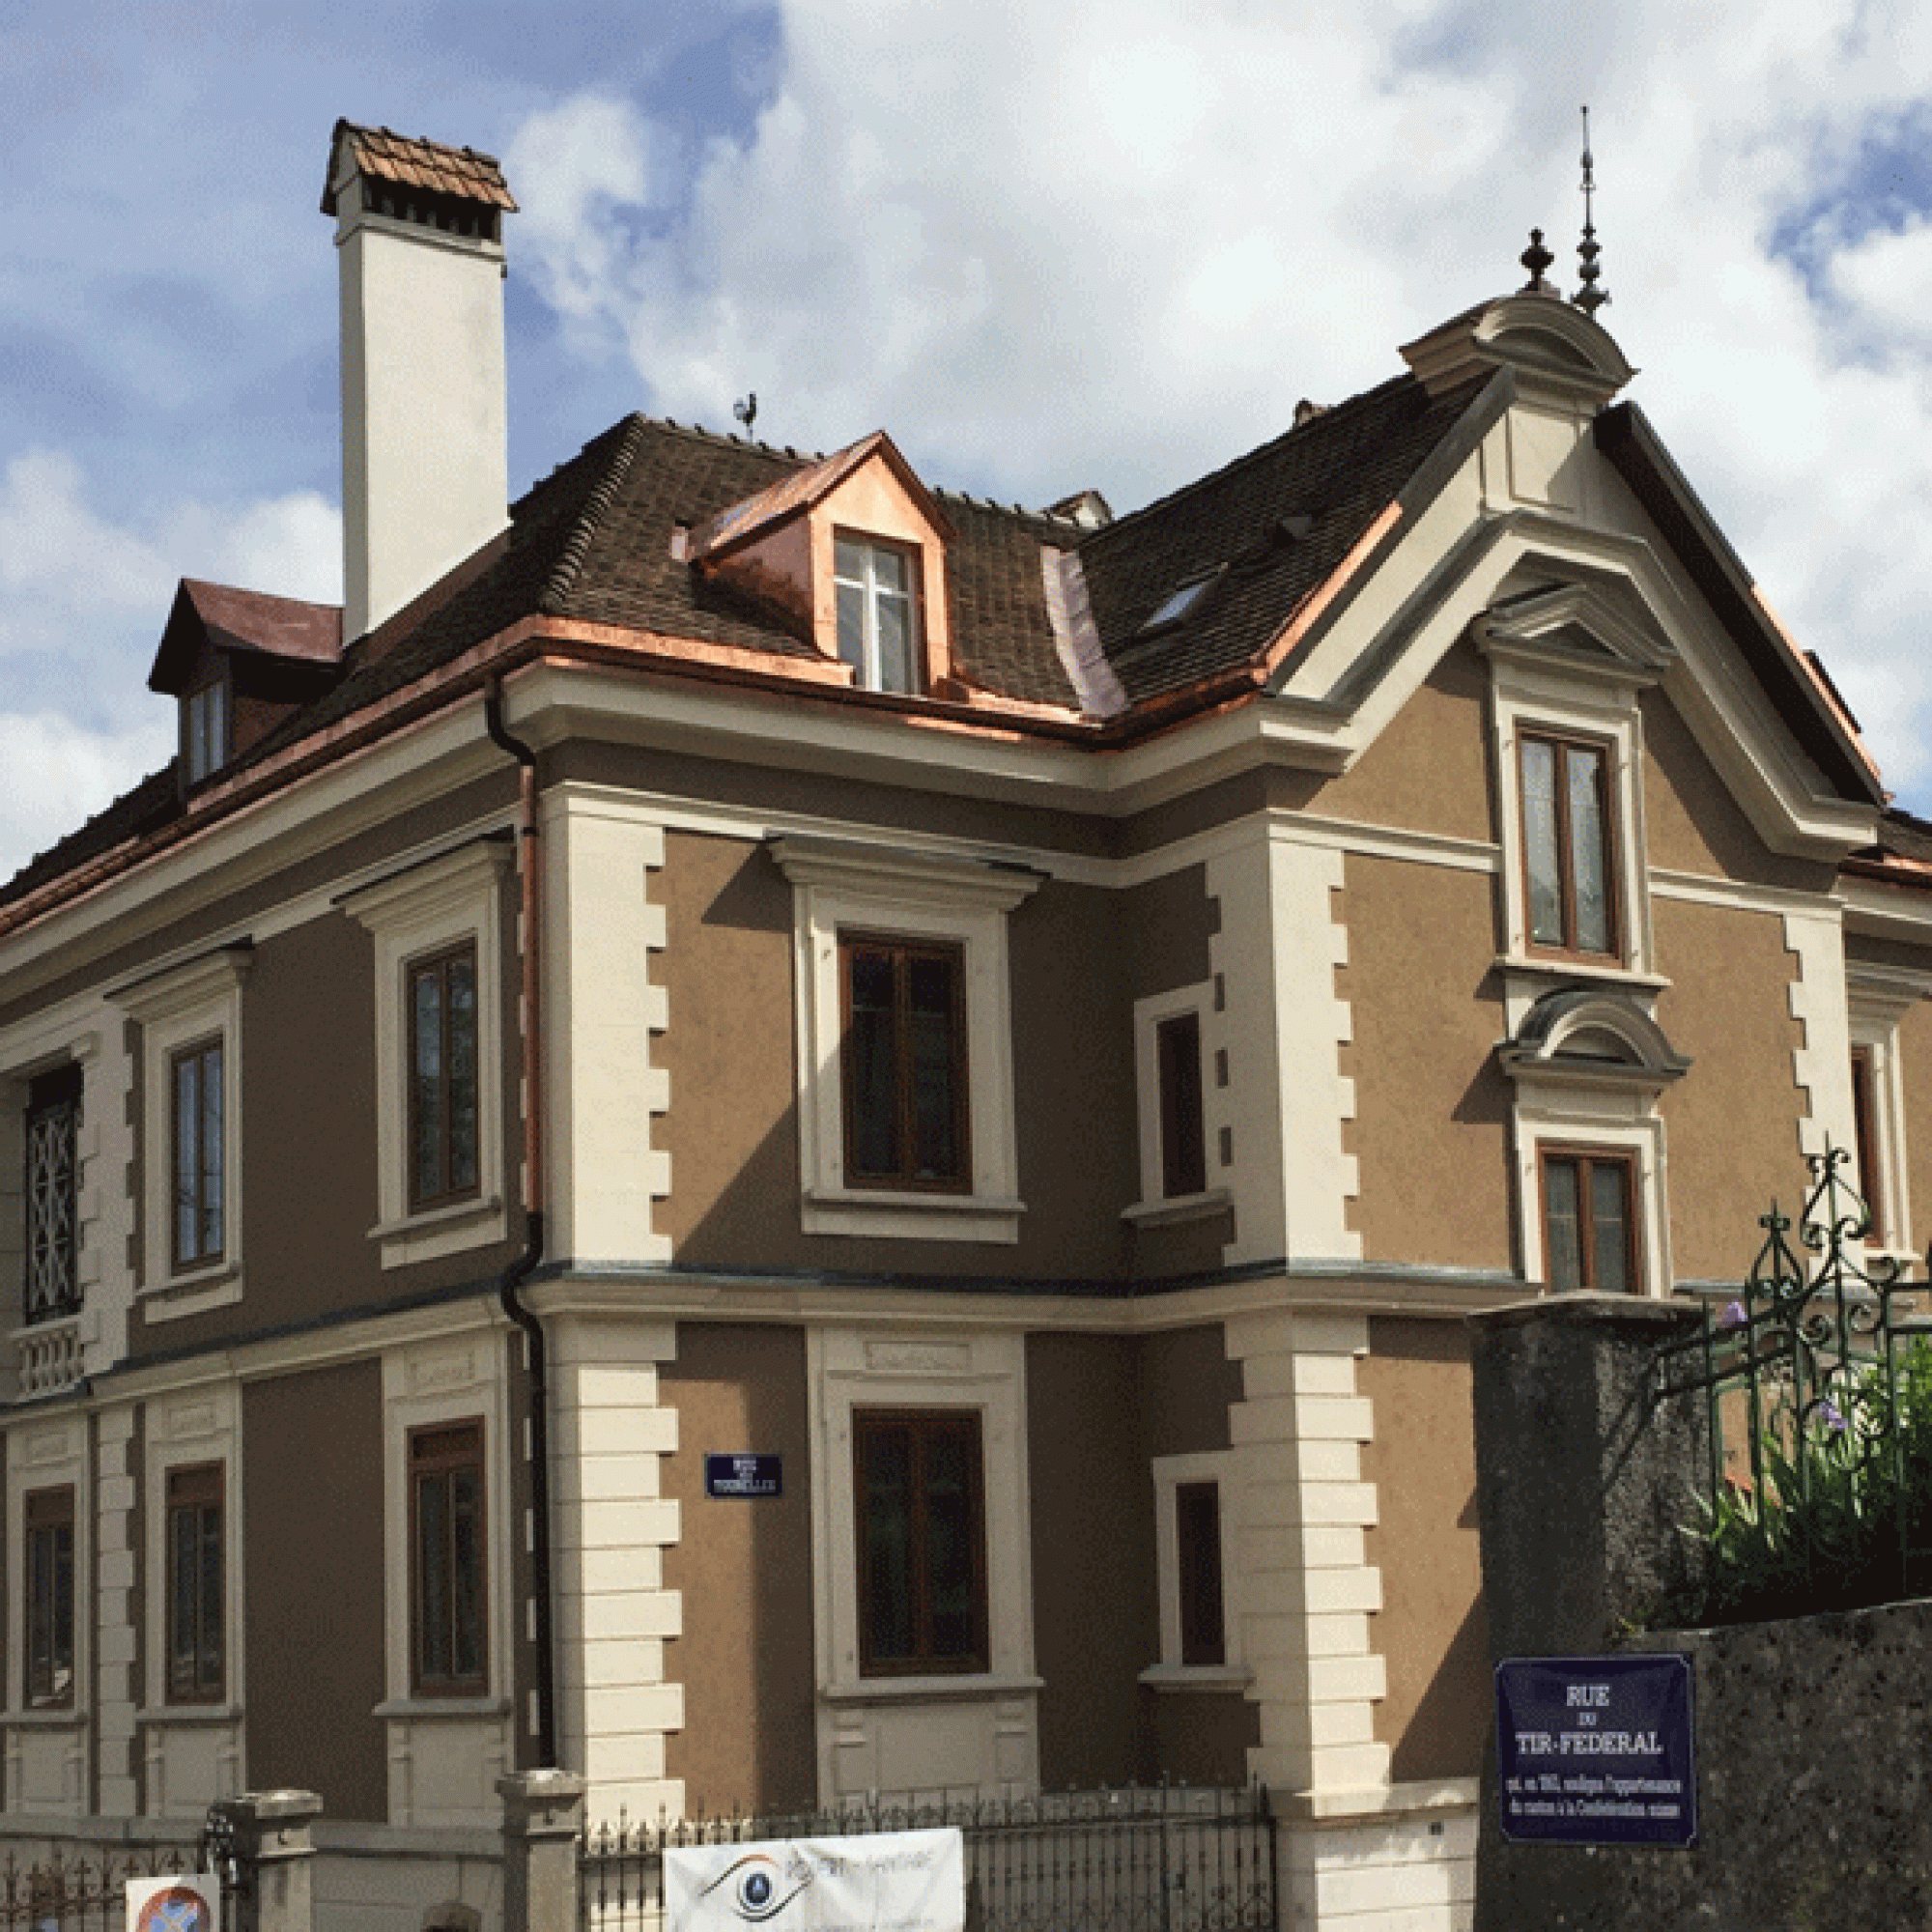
(535, 1358)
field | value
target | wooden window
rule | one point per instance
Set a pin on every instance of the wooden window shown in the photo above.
(443, 1105)
(1589, 1221)
(905, 1064)
(878, 613)
(449, 1610)
(205, 730)
(1197, 1544)
(1567, 847)
(199, 1155)
(1864, 1117)
(921, 1535)
(52, 1195)
(1184, 1151)
(48, 1525)
(196, 1585)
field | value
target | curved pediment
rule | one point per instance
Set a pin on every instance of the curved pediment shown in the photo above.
(1594, 1036)
(1554, 348)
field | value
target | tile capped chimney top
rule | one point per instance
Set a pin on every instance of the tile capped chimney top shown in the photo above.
(402, 161)
(425, 414)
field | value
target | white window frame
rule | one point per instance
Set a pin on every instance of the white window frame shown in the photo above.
(434, 907)
(1877, 1001)
(1543, 685)
(1170, 1474)
(867, 674)
(916, 1368)
(1157, 1208)
(198, 1001)
(192, 1429)
(51, 1456)
(845, 887)
(454, 1377)
(204, 729)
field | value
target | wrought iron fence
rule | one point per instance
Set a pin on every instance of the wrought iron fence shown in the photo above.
(83, 1893)
(1149, 1858)
(1819, 1378)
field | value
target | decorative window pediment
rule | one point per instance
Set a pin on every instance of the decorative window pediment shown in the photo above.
(1593, 1037)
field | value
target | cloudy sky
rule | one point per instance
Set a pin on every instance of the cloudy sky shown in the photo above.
(1091, 243)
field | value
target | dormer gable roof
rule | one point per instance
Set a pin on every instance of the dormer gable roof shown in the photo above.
(221, 617)
(777, 504)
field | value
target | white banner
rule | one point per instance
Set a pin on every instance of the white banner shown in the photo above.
(190, 1902)
(878, 1882)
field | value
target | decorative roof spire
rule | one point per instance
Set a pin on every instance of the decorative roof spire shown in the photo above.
(1536, 258)
(1589, 297)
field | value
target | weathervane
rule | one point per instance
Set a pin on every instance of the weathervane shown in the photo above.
(747, 411)
(1589, 297)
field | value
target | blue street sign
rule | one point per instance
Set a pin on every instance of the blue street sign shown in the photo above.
(1596, 1750)
(744, 1475)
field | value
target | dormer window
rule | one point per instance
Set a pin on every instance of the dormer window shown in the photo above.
(878, 615)
(205, 730)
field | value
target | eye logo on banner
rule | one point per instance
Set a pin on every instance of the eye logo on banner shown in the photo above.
(758, 1886)
(911, 1881)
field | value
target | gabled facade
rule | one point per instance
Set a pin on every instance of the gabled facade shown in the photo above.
(1035, 1025)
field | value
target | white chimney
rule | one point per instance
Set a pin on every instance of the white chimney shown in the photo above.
(425, 425)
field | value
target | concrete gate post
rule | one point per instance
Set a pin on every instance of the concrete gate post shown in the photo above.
(1584, 1481)
(543, 1831)
(275, 1852)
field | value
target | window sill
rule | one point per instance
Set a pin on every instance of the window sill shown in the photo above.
(1563, 966)
(189, 1714)
(911, 1216)
(194, 1293)
(1176, 1209)
(60, 1717)
(1197, 1677)
(441, 1709)
(440, 1230)
(930, 1689)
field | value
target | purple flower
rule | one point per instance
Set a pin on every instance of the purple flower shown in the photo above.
(1734, 1316)
(1833, 1421)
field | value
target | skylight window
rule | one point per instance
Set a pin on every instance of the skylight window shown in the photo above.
(1178, 606)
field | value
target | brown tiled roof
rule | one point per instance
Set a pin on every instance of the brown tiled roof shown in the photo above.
(595, 541)
(244, 620)
(1274, 524)
(385, 155)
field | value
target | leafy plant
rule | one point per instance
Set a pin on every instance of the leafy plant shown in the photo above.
(1838, 1515)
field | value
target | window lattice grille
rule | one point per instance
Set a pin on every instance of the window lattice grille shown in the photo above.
(53, 1132)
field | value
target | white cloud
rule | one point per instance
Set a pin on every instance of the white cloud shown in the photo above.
(68, 569)
(55, 774)
(1112, 241)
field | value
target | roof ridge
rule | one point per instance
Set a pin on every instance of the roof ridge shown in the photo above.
(563, 575)
(1328, 417)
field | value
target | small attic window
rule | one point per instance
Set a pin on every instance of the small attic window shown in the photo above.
(203, 723)
(878, 612)
(1177, 608)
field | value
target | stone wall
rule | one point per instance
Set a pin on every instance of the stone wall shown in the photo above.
(1813, 1737)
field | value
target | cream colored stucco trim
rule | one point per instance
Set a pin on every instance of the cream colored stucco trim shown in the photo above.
(424, 910)
(197, 1427)
(899, 1741)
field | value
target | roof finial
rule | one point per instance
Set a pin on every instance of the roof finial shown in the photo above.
(1536, 258)
(1589, 297)
(747, 411)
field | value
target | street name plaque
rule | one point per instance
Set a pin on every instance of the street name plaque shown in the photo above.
(1596, 1750)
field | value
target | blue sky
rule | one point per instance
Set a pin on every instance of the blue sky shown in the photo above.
(1105, 243)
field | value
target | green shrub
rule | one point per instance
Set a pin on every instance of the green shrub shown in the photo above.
(1842, 1515)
